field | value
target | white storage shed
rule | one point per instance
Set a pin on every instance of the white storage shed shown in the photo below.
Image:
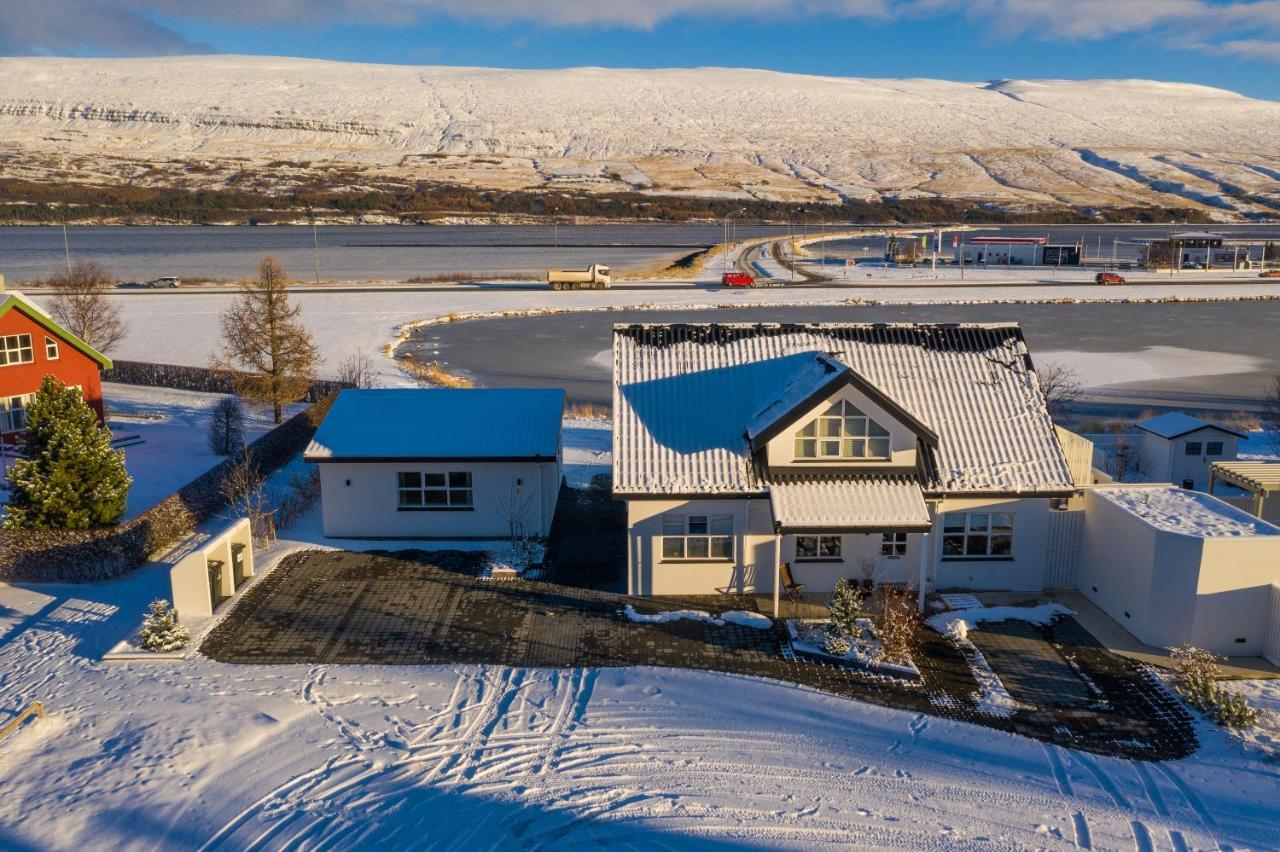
(440, 463)
(1174, 567)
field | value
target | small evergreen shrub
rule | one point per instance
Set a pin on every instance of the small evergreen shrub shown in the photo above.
(836, 643)
(1195, 672)
(161, 631)
(846, 607)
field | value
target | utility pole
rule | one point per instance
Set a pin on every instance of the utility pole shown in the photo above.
(66, 246)
(315, 242)
(728, 249)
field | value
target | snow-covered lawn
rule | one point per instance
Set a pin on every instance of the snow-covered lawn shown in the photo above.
(174, 428)
(176, 754)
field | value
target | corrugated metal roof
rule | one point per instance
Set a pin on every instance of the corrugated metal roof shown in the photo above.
(1256, 476)
(1175, 424)
(440, 423)
(839, 503)
(684, 394)
(820, 373)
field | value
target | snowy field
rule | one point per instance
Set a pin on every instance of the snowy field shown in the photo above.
(187, 754)
(174, 428)
(181, 328)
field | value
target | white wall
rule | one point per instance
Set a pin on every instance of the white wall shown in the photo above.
(1167, 461)
(360, 500)
(1024, 572)
(1234, 594)
(751, 568)
(821, 576)
(780, 452)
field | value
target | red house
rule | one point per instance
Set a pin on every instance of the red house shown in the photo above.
(32, 346)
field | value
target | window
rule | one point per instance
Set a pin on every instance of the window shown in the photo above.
(50, 349)
(843, 432)
(708, 537)
(16, 349)
(817, 547)
(1193, 448)
(13, 412)
(977, 535)
(434, 490)
(1213, 448)
(893, 545)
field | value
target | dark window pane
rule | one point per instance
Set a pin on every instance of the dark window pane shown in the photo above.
(411, 498)
(698, 548)
(1001, 545)
(953, 522)
(806, 546)
(673, 548)
(979, 522)
(460, 480)
(878, 447)
(697, 525)
(435, 480)
(435, 498)
(460, 497)
(953, 545)
(829, 546)
(410, 479)
(975, 545)
(1193, 448)
(722, 547)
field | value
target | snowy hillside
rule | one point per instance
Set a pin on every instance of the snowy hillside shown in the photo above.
(706, 131)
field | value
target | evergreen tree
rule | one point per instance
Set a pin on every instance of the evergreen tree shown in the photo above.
(161, 630)
(846, 607)
(67, 475)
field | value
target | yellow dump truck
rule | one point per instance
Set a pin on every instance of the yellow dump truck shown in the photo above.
(594, 277)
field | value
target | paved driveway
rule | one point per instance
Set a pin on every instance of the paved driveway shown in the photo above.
(339, 607)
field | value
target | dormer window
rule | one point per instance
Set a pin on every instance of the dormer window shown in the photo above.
(843, 432)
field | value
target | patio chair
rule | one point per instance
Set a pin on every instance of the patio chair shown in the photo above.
(790, 588)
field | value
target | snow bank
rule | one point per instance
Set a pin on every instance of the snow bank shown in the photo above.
(1178, 510)
(740, 617)
(958, 624)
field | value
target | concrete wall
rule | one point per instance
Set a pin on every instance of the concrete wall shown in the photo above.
(1234, 594)
(360, 500)
(1024, 572)
(189, 576)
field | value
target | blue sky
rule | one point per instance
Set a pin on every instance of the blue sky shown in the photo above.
(1233, 44)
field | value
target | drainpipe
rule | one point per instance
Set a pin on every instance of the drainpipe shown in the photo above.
(777, 573)
(924, 570)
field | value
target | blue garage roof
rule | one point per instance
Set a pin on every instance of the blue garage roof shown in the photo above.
(412, 424)
(1175, 424)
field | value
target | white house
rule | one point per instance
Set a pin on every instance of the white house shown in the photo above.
(408, 463)
(1179, 448)
(922, 453)
(1174, 567)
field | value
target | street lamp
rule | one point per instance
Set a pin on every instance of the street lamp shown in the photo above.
(727, 247)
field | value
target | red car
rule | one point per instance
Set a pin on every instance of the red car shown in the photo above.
(737, 279)
(1270, 273)
(1108, 278)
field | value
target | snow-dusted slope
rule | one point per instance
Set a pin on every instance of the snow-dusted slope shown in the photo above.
(691, 131)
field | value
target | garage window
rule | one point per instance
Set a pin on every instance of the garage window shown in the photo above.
(817, 548)
(697, 537)
(426, 491)
(1193, 448)
(1213, 448)
(977, 535)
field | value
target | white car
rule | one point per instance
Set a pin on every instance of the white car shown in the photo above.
(167, 281)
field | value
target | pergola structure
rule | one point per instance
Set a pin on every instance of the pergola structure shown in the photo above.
(1261, 479)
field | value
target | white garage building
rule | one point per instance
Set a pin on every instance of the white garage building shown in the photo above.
(437, 463)
(1177, 567)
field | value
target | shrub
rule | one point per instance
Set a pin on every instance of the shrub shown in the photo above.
(898, 624)
(846, 607)
(226, 426)
(836, 643)
(1195, 673)
(161, 630)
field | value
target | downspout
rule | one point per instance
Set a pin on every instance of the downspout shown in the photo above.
(777, 571)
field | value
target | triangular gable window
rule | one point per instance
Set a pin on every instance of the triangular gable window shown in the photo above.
(843, 431)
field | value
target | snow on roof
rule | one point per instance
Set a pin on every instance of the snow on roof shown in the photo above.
(684, 395)
(841, 503)
(15, 299)
(1179, 510)
(822, 372)
(440, 423)
(1175, 424)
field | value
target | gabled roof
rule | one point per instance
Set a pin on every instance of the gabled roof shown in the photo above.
(811, 384)
(444, 424)
(13, 300)
(1175, 424)
(685, 394)
(833, 503)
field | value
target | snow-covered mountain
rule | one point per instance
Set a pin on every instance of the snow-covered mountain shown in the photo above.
(196, 121)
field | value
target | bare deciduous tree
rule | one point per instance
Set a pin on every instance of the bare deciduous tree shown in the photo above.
(1271, 412)
(83, 305)
(1062, 388)
(244, 489)
(1124, 460)
(264, 343)
(357, 370)
(226, 426)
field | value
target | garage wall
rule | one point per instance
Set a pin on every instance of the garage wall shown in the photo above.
(1234, 594)
(361, 500)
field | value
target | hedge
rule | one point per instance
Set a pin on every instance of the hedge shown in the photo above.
(69, 556)
(180, 377)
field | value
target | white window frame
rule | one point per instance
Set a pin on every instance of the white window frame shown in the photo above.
(435, 491)
(825, 548)
(13, 412)
(843, 432)
(52, 352)
(893, 545)
(13, 348)
(977, 534)
(702, 537)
